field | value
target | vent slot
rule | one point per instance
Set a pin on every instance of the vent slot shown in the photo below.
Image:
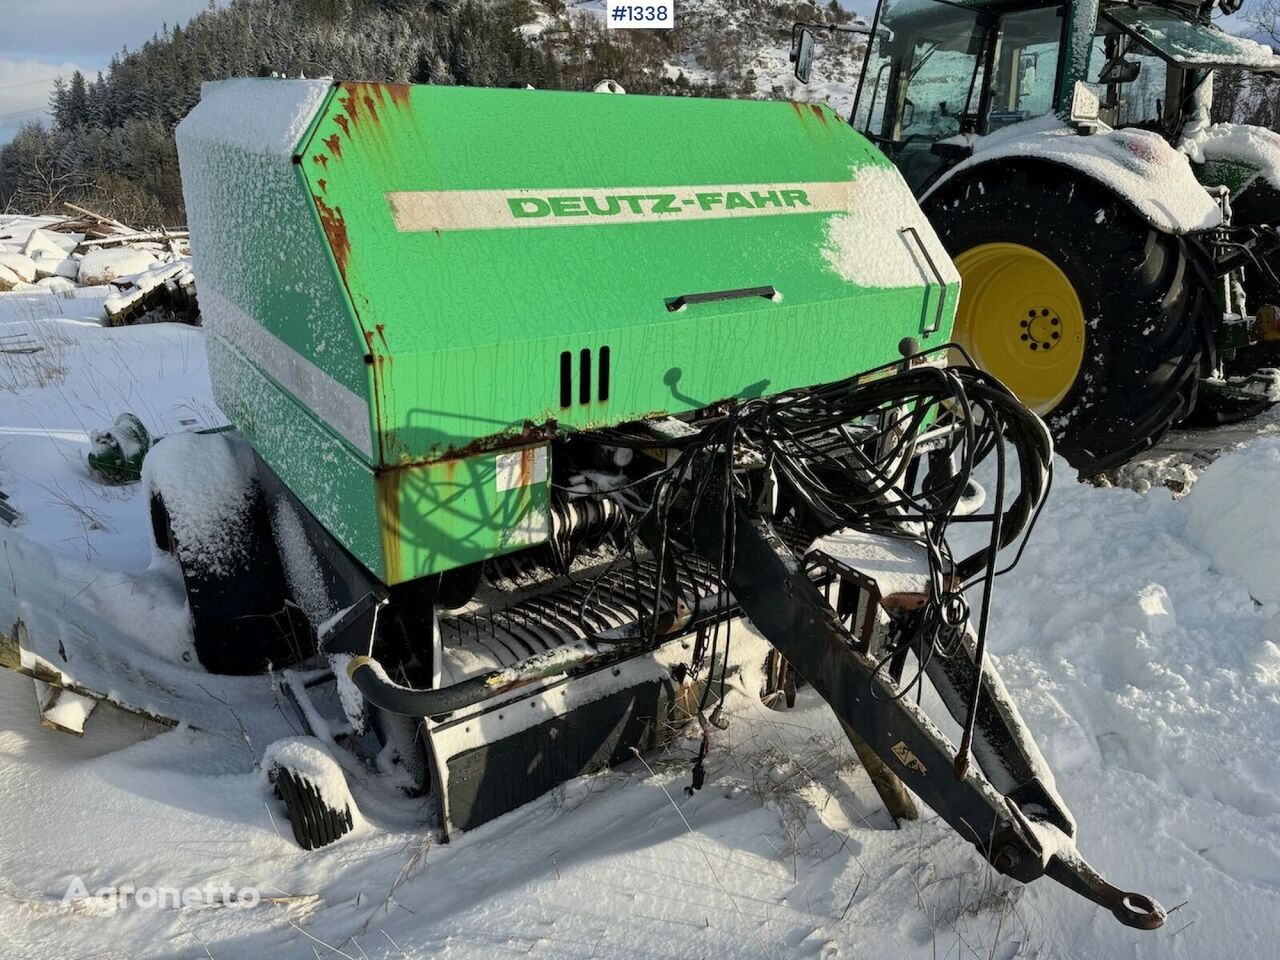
(584, 376)
(566, 379)
(585, 372)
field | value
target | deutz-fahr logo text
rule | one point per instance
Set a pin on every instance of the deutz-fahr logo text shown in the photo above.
(441, 210)
(659, 204)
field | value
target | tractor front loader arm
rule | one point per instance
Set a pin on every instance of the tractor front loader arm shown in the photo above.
(1021, 828)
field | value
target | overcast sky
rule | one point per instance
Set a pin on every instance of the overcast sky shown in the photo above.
(44, 39)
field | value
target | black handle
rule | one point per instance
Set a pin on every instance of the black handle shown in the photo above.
(682, 301)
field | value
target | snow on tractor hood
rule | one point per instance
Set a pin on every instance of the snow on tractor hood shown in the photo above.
(1153, 177)
(1252, 146)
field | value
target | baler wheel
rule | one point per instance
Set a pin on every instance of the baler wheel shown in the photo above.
(1099, 322)
(242, 620)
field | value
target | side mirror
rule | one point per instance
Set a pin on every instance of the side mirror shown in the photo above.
(1120, 70)
(802, 54)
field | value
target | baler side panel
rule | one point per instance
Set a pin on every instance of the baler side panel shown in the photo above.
(285, 354)
(333, 483)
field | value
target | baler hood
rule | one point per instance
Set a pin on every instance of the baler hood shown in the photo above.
(517, 257)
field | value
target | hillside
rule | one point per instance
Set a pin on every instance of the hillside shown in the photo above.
(111, 145)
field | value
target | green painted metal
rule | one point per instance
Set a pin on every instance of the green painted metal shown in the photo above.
(431, 255)
(509, 301)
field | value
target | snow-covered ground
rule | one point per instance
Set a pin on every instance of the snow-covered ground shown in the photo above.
(1128, 636)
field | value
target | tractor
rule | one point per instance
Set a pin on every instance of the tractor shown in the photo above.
(1117, 251)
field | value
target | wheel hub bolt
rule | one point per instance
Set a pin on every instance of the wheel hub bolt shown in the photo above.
(1039, 329)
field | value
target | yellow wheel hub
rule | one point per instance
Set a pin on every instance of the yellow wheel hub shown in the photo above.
(1020, 318)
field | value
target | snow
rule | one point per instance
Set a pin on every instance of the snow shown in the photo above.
(1257, 146)
(15, 231)
(42, 244)
(207, 486)
(105, 264)
(261, 115)
(301, 567)
(67, 268)
(58, 284)
(1138, 164)
(1234, 517)
(1193, 44)
(868, 245)
(152, 275)
(1133, 639)
(23, 267)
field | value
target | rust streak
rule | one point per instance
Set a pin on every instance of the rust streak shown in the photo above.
(382, 334)
(818, 112)
(344, 123)
(322, 159)
(388, 494)
(349, 105)
(334, 145)
(323, 185)
(399, 93)
(335, 228)
(527, 458)
(360, 98)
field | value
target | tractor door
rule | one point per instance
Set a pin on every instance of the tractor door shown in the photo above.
(935, 70)
(922, 81)
(1025, 74)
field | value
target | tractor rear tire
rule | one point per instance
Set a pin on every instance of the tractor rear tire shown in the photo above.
(1098, 321)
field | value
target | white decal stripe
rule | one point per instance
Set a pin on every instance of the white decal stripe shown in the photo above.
(418, 210)
(335, 404)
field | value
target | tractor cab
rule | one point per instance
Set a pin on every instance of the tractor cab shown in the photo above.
(937, 69)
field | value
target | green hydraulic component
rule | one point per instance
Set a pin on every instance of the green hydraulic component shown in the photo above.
(410, 289)
(116, 453)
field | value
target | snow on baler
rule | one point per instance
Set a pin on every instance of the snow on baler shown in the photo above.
(539, 397)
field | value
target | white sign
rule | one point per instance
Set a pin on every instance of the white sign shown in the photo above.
(1085, 106)
(585, 206)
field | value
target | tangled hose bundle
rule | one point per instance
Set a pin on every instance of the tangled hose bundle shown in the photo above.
(892, 452)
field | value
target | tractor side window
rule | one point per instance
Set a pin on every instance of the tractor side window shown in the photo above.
(1130, 82)
(1026, 66)
(873, 93)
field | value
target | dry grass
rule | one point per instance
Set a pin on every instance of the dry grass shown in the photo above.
(33, 358)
